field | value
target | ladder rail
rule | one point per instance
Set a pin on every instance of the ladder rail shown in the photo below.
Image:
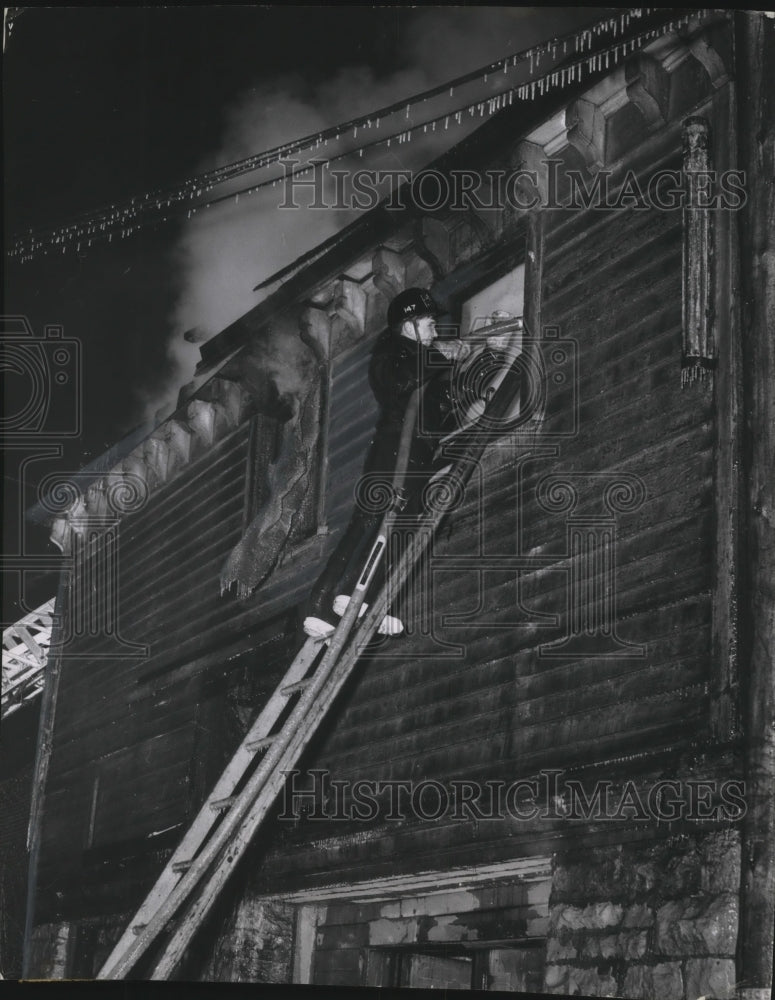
(466, 453)
(207, 817)
(218, 857)
(315, 711)
(136, 944)
(182, 858)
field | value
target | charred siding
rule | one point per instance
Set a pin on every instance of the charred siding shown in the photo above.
(493, 707)
(132, 758)
(353, 415)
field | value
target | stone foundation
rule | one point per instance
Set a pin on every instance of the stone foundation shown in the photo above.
(657, 922)
(255, 944)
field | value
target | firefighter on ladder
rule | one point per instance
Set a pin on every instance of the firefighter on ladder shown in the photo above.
(407, 357)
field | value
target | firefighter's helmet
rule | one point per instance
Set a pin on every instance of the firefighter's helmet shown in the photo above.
(412, 303)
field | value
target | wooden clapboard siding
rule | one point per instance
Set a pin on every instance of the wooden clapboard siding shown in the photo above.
(612, 284)
(17, 747)
(353, 415)
(125, 774)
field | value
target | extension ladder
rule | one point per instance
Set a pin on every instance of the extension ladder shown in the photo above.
(246, 791)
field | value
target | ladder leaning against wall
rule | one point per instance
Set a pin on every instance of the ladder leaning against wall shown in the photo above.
(246, 791)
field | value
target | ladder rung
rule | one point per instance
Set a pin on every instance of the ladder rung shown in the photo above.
(181, 866)
(290, 689)
(218, 804)
(262, 744)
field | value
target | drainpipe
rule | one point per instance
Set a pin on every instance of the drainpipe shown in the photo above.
(755, 57)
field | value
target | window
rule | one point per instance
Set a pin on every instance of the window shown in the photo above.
(508, 968)
(483, 372)
(283, 467)
(481, 937)
(504, 295)
(264, 445)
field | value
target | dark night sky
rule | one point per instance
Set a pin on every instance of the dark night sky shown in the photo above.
(105, 103)
(101, 103)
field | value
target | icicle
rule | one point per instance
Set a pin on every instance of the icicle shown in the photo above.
(407, 111)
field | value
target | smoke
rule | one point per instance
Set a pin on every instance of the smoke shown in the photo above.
(226, 250)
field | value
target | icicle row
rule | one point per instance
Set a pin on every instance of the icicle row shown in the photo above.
(134, 215)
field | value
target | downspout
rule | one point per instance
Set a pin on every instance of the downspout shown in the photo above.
(755, 70)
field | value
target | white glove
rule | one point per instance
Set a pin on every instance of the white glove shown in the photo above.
(453, 350)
